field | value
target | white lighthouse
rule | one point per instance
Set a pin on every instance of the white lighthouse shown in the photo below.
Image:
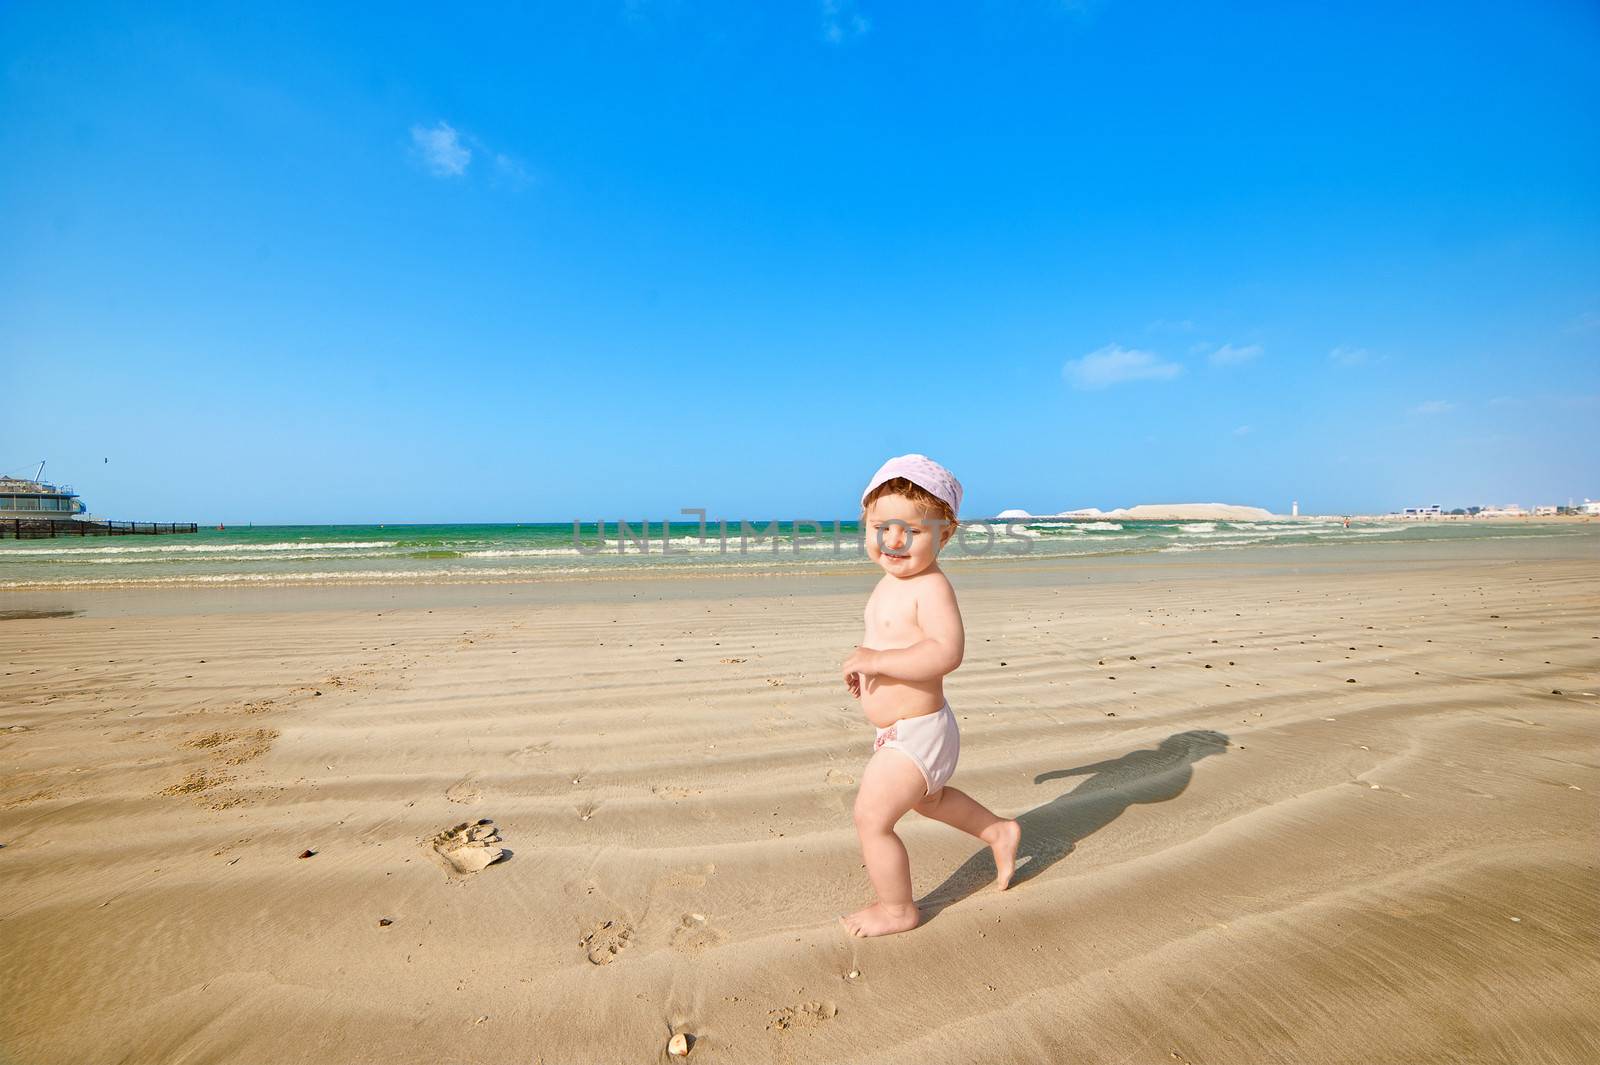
(1294, 509)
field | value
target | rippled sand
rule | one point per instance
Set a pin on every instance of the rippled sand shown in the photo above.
(1272, 811)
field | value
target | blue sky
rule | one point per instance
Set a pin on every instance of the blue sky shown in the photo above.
(283, 263)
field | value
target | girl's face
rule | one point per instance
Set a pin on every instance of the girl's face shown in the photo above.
(902, 538)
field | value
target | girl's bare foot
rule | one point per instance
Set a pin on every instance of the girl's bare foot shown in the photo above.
(883, 920)
(1002, 838)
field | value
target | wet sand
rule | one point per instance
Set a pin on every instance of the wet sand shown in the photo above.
(1289, 806)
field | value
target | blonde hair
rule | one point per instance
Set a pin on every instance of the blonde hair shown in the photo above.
(919, 496)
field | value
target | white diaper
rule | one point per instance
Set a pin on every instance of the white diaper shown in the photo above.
(930, 740)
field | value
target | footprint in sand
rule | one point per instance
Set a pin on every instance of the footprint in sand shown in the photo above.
(805, 1015)
(463, 791)
(525, 754)
(602, 945)
(691, 878)
(840, 778)
(234, 748)
(200, 780)
(674, 791)
(695, 933)
(469, 847)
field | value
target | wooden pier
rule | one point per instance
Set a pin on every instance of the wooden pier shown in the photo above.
(51, 528)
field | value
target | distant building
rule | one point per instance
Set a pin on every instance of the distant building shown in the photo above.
(1542, 512)
(1423, 512)
(28, 500)
(1590, 507)
(1510, 510)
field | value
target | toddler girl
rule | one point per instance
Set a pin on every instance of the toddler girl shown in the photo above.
(913, 638)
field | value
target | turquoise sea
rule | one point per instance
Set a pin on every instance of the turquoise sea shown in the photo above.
(379, 554)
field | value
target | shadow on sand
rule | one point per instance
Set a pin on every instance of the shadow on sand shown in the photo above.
(1052, 829)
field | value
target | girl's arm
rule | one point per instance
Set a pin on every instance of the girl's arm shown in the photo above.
(940, 650)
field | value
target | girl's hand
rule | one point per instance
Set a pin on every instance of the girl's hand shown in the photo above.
(861, 660)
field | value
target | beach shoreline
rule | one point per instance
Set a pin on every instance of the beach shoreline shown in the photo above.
(1398, 816)
(399, 556)
(772, 571)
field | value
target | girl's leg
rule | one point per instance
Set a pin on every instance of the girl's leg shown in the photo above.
(960, 810)
(891, 785)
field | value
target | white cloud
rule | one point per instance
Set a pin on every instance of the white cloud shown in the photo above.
(1584, 322)
(1243, 430)
(642, 13)
(510, 170)
(1347, 356)
(841, 21)
(1433, 406)
(1167, 325)
(447, 152)
(1228, 355)
(441, 149)
(1115, 364)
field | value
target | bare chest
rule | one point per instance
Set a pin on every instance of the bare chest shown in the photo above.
(891, 619)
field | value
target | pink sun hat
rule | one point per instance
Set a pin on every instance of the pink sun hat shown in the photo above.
(922, 471)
